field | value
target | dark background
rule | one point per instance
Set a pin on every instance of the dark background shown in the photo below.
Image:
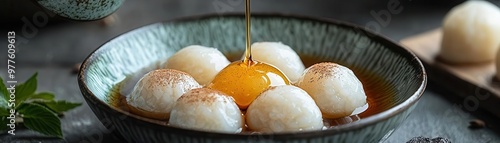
(82, 37)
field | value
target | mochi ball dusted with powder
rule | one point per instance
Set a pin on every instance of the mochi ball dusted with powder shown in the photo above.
(203, 63)
(471, 33)
(156, 92)
(279, 55)
(207, 110)
(334, 88)
(284, 108)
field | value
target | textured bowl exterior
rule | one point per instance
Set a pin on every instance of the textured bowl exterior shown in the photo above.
(81, 9)
(326, 40)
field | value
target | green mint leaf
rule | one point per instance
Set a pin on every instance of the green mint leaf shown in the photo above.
(4, 113)
(4, 104)
(59, 106)
(4, 95)
(3, 90)
(26, 89)
(4, 121)
(43, 96)
(40, 119)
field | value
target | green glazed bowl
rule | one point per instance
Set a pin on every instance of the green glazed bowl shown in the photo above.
(383, 61)
(81, 9)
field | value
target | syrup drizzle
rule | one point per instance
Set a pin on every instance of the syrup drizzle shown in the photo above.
(248, 50)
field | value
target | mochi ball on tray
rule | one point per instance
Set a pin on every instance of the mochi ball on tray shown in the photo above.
(471, 33)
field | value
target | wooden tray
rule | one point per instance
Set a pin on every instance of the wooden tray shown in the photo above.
(476, 84)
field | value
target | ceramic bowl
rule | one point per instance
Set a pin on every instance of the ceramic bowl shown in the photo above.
(81, 9)
(383, 61)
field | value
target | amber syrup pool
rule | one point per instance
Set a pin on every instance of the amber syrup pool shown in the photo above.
(380, 94)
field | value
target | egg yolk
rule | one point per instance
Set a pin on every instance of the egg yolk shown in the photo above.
(244, 82)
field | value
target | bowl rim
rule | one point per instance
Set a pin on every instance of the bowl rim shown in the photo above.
(373, 119)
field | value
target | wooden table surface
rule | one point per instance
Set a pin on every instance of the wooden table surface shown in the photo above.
(56, 47)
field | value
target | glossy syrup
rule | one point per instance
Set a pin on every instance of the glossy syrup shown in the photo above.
(245, 80)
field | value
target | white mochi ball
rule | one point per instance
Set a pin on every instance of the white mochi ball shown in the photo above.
(471, 33)
(281, 56)
(334, 88)
(207, 110)
(203, 63)
(155, 93)
(284, 108)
